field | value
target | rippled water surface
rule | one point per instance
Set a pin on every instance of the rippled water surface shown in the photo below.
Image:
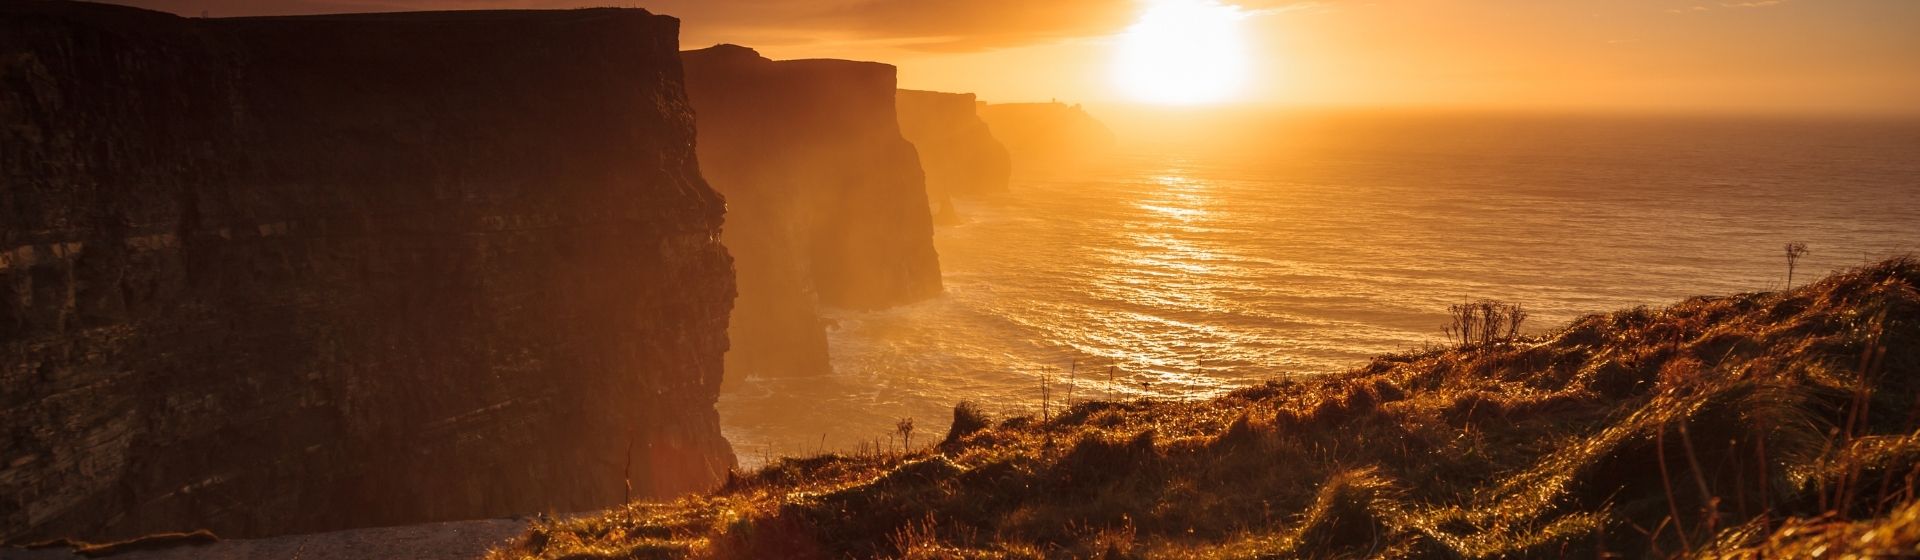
(1306, 249)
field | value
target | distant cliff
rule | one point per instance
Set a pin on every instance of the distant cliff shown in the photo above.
(958, 152)
(826, 199)
(1048, 137)
(291, 274)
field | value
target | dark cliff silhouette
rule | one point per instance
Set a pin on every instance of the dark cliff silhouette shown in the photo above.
(960, 155)
(293, 274)
(826, 200)
(1048, 138)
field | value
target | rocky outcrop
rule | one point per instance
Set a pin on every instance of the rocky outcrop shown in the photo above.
(1047, 138)
(827, 201)
(283, 275)
(960, 155)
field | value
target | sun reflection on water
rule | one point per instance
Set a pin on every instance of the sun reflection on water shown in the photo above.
(1171, 279)
(1192, 275)
(1180, 197)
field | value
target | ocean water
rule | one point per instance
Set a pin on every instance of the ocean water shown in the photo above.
(1304, 246)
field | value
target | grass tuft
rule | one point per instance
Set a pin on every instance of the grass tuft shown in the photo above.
(967, 419)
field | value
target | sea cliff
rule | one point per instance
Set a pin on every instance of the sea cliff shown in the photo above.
(280, 275)
(960, 155)
(827, 200)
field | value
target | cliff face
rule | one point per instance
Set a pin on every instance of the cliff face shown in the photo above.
(1047, 137)
(958, 152)
(827, 200)
(293, 274)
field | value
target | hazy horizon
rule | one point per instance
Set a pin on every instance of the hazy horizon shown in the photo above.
(1854, 57)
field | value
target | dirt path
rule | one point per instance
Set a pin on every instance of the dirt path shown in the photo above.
(455, 540)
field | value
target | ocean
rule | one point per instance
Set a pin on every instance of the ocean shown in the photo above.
(1304, 246)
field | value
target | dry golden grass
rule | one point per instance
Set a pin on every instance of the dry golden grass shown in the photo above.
(1751, 425)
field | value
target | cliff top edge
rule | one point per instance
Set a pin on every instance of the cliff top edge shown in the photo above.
(102, 11)
(730, 51)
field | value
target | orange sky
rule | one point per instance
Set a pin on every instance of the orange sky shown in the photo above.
(1854, 56)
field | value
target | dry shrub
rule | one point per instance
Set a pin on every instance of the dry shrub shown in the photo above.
(1484, 322)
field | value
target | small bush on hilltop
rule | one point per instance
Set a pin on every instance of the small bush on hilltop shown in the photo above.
(1483, 322)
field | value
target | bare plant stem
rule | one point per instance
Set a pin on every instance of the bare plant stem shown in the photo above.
(1110, 394)
(1045, 415)
(626, 473)
(1709, 505)
(1766, 487)
(1795, 250)
(1073, 374)
(1666, 483)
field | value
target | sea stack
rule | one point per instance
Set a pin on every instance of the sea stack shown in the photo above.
(278, 275)
(827, 202)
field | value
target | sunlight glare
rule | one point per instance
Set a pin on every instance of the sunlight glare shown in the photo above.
(1183, 52)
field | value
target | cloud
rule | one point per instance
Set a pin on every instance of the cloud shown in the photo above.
(1271, 8)
(973, 25)
(1729, 5)
(927, 25)
(963, 25)
(977, 25)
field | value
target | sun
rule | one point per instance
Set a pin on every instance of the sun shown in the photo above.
(1183, 52)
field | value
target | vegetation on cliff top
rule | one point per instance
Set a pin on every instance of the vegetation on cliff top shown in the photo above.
(1775, 424)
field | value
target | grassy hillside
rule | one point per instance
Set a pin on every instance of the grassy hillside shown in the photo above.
(1757, 424)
